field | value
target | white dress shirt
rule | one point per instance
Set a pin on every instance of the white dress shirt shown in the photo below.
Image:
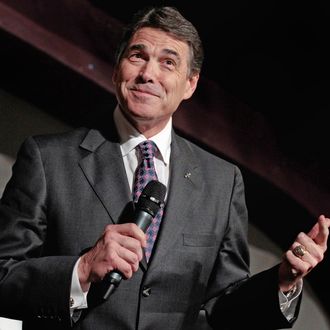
(130, 138)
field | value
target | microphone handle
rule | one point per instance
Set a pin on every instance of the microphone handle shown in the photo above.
(114, 278)
(142, 220)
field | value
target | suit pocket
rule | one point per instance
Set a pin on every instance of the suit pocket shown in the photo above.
(199, 240)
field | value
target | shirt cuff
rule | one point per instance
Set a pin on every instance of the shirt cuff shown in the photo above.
(288, 301)
(78, 298)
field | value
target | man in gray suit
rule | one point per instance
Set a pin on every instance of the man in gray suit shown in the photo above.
(66, 216)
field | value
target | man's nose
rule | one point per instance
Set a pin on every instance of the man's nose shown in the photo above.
(148, 71)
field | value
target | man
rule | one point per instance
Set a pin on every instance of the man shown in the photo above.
(66, 218)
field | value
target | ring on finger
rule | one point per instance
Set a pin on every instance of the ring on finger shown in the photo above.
(299, 251)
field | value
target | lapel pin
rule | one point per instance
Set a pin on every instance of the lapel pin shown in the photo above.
(187, 175)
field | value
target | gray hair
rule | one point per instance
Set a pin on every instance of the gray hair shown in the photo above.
(171, 21)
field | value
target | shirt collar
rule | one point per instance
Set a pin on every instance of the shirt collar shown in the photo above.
(130, 137)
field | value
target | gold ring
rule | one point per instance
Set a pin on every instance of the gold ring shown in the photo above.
(299, 251)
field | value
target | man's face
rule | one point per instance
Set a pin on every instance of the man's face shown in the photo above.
(152, 78)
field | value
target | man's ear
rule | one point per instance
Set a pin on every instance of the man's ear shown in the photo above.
(191, 86)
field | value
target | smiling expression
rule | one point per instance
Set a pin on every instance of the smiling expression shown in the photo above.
(152, 79)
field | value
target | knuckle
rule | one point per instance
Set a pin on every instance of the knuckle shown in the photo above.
(135, 259)
(106, 235)
(127, 271)
(110, 235)
(111, 246)
(136, 246)
(112, 256)
(307, 268)
(108, 228)
(315, 263)
(319, 257)
(287, 254)
(131, 226)
(135, 267)
(300, 236)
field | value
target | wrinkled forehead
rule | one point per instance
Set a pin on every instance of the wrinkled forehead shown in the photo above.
(152, 39)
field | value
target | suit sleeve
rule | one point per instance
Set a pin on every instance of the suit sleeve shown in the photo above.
(246, 302)
(32, 284)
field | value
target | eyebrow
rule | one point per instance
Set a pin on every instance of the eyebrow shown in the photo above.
(166, 51)
(136, 47)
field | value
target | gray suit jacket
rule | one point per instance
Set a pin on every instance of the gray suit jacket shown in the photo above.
(66, 188)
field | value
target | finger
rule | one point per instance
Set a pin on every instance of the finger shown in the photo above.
(322, 234)
(299, 266)
(316, 228)
(132, 245)
(311, 248)
(300, 249)
(129, 229)
(119, 248)
(113, 239)
(126, 262)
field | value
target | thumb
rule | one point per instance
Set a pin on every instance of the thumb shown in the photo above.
(320, 231)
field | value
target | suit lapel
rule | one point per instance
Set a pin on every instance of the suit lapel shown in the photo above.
(104, 169)
(185, 187)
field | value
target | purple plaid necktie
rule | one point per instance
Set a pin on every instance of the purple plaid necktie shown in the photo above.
(144, 173)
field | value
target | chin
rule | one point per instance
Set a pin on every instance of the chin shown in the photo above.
(142, 110)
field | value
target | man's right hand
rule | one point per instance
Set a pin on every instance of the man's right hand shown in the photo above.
(120, 247)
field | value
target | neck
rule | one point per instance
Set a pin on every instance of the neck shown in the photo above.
(147, 127)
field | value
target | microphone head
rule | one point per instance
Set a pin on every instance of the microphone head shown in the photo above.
(152, 197)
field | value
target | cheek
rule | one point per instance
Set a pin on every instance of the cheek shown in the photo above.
(123, 73)
(179, 89)
(122, 81)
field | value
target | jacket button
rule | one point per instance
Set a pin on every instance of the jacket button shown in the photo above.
(146, 292)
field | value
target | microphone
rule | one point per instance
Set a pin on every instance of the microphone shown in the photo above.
(150, 201)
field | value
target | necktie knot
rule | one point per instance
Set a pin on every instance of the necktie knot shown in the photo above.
(145, 171)
(148, 149)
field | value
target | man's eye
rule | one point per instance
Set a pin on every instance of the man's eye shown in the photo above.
(135, 56)
(169, 62)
